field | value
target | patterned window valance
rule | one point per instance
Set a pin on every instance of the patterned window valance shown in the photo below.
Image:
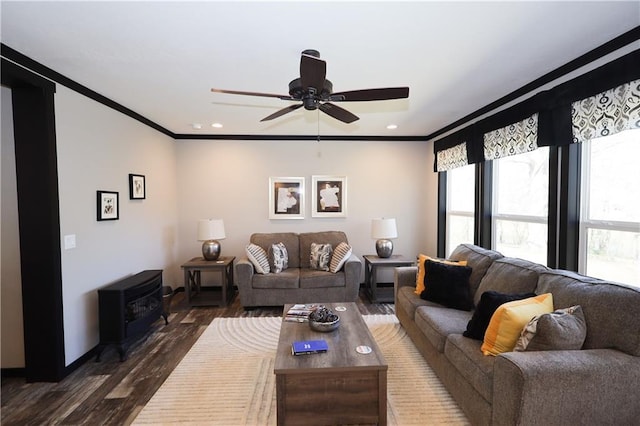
(516, 138)
(452, 158)
(607, 113)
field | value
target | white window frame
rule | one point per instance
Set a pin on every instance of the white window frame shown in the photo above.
(495, 216)
(454, 213)
(586, 223)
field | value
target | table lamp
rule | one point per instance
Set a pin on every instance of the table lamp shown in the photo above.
(209, 231)
(383, 230)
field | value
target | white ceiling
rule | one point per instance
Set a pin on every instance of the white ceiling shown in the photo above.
(160, 59)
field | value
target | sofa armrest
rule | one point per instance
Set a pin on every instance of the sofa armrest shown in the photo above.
(403, 276)
(244, 274)
(596, 386)
(352, 271)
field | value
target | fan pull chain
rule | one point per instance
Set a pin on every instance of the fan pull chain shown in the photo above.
(318, 121)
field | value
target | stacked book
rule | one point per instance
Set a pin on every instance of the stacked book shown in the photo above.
(299, 312)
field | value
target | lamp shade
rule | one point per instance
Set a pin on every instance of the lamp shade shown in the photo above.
(211, 229)
(384, 228)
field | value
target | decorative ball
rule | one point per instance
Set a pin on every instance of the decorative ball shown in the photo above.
(322, 319)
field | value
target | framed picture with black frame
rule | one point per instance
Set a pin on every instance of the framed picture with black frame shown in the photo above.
(108, 206)
(137, 187)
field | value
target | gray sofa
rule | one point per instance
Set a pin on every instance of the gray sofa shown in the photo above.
(298, 283)
(597, 385)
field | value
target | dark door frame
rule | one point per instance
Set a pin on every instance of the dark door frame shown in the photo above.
(39, 222)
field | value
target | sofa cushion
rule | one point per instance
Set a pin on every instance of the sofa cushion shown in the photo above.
(465, 355)
(278, 257)
(320, 256)
(289, 239)
(312, 278)
(409, 301)
(258, 257)
(489, 302)
(478, 258)
(562, 329)
(508, 321)
(611, 311)
(447, 285)
(437, 322)
(289, 278)
(306, 238)
(510, 275)
(422, 258)
(339, 257)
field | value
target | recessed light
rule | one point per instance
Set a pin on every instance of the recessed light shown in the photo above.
(196, 126)
(392, 126)
(217, 125)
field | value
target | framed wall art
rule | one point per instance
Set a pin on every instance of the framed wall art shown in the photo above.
(328, 196)
(107, 205)
(286, 198)
(137, 188)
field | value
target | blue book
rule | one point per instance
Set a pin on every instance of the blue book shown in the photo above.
(309, 347)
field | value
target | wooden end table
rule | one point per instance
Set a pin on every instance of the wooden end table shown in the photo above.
(193, 280)
(371, 265)
(340, 386)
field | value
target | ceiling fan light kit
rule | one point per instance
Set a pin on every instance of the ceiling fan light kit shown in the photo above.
(314, 91)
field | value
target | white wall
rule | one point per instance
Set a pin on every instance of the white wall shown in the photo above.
(229, 180)
(11, 281)
(189, 180)
(97, 149)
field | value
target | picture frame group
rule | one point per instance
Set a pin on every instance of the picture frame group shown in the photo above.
(287, 197)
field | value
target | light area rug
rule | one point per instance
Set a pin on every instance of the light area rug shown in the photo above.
(227, 378)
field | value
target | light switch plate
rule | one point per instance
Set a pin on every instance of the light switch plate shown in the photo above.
(69, 241)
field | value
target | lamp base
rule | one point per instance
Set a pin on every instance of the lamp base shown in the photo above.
(384, 248)
(211, 250)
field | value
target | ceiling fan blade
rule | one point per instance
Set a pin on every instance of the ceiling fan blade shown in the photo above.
(282, 112)
(312, 72)
(264, 95)
(382, 94)
(338, 113)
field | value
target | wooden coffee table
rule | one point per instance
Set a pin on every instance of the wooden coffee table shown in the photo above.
(340, 386)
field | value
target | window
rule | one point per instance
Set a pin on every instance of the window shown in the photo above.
(520, 205)
(609, 245)
(460, 206)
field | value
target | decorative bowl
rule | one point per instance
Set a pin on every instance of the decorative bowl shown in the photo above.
(324, 326)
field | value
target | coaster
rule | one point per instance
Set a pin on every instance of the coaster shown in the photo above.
(363, 349)
(340, 308)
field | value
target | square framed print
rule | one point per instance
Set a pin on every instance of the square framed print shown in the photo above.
(328, 196)
(107, 205)
(286, 198)
(137, 188)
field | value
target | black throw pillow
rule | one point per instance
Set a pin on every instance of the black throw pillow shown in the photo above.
(447, 285)
(489, 302)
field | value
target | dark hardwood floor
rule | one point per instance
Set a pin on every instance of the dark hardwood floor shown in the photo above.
(111, 392)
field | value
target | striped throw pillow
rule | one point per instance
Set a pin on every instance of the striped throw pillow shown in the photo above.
(339, 257)
(258, 257)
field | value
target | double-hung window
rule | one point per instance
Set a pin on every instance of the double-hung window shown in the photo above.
(460, 206)
(610, 212)
(521, 205)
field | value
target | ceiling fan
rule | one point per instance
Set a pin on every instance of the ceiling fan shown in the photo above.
(315, 91)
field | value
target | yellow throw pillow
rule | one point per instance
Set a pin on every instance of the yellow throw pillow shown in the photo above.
(508, 321)
(422, 258)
